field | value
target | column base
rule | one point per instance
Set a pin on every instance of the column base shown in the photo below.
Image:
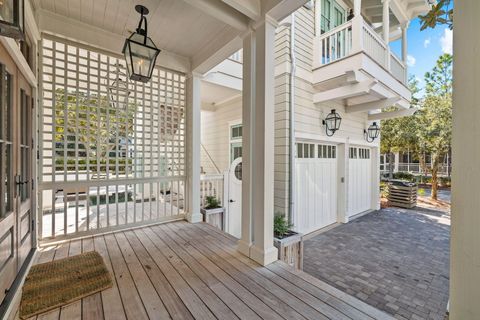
(244, 247)
(194, 217)
(263, 257)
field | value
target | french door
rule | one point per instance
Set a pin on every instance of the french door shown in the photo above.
(16, 144)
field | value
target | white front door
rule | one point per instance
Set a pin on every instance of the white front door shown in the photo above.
(234, 213)
(359, 180)
(316, 186)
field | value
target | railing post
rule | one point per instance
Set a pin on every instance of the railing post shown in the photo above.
(386, 31)
(357, 34)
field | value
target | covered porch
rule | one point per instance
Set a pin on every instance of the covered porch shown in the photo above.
(193, 271)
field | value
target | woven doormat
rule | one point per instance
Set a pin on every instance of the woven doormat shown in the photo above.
(60, 282)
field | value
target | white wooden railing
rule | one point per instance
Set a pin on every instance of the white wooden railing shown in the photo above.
(414, 168)
(397, 68)
(336, 43)
(352, 37)
(211, 185)
(374, 46)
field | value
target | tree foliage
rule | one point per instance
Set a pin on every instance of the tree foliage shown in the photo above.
(93, 128)
(429, 130)
(440, 14)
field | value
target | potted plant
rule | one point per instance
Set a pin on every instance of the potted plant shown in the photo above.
(289, 243)
(213, 212)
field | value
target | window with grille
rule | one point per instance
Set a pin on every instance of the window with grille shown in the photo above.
(327, 151)
(359, 153)
(305, 150)
(108, 145)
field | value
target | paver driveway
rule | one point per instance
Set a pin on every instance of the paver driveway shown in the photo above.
(394, 259)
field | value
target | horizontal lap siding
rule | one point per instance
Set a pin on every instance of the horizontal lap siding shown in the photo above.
(282, 101)
(216, 135)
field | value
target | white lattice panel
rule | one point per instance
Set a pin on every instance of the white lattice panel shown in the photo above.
(107, 141)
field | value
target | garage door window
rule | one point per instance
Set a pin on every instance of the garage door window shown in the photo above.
(305, 150)
(359, 153)
(327, 151)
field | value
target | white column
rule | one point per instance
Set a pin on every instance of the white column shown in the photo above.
(386, 21)
(357, 8)
(465, 231)
(259, 119)
(248, 97)
(193, 148)
(386, 30)
(397, 162)
(404, 42)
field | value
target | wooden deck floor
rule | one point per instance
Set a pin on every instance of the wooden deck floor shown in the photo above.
(193, 271)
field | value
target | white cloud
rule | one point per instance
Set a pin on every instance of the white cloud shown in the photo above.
(426, 43)
(411, 61)
(446, 41)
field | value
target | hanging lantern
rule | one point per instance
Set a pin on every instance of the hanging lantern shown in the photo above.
(372, 132)
(140, 51)
(12, 18)
(332, 123)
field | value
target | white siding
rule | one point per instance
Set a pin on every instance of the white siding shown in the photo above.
(216, 134)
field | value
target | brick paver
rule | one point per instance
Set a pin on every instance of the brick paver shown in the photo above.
(394, 259)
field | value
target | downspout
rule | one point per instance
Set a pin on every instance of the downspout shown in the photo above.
(291, 127)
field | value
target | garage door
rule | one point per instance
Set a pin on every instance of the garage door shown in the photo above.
(359, 180)
(316, 186)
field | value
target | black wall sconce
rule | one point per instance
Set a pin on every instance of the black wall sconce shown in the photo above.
(372, 132)
(332, 123)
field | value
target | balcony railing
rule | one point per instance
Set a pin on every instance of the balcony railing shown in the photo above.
(357, 36)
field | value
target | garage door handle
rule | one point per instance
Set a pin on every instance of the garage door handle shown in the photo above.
(232, 200)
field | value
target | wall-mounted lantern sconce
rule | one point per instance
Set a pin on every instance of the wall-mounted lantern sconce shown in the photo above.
(372, 132)
(12, 19)
(140, 51)
(332, 123)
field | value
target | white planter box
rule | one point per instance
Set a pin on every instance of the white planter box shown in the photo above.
(214, 217)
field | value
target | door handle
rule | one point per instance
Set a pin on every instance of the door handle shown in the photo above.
(231, 200)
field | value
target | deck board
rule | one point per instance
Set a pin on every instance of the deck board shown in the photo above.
(193, 271)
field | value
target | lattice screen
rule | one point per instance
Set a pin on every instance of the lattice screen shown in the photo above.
(107, 142)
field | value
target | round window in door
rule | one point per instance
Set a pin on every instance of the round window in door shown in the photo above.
(238, 171)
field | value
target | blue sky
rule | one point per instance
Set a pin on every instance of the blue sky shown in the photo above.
(424, 47)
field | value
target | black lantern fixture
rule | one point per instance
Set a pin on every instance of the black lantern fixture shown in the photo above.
(140, 51)
(12, 18)
(372, 132)
(332, 123)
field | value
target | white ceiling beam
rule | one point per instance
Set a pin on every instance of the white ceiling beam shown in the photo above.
(215, 52)
(75, 30)
(250, 8)
(392, 114)
(344, 92)
(367, 106)
(279, 10)
(221, 11)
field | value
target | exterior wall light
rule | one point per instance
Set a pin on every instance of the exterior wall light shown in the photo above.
(140, 51)
(372, 132)
(332, 123)
(12, 19)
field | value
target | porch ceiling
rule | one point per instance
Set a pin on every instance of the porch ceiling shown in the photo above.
(193, 34)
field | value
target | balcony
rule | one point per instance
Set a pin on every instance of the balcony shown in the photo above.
(353, 63)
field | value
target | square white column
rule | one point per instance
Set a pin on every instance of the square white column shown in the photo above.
(248, 96)
(193, 113)
(258, 178)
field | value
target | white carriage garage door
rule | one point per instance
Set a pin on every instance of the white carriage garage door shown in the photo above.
(359, 180)
(316, 186)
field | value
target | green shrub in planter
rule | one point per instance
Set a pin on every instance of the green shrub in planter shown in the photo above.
(404, 176)
(280, 226)
(212, 202)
